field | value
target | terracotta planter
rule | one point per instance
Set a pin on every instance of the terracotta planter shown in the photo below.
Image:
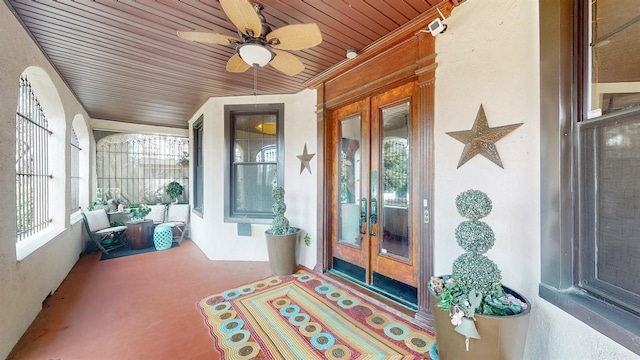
(282, 253)
(502, 337)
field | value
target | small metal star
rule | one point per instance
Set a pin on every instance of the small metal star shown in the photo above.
(481, 139)
(305, 158)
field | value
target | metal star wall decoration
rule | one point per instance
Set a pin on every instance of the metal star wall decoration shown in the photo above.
(305, 159)
(481, 139)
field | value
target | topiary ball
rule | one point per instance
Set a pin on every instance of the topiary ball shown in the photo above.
(475, 236)
(279, 208)
(473, 271)
(473, 204)
(277, 193)
(279, 226)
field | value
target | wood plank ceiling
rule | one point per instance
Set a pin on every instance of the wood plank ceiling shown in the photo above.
(124, 61)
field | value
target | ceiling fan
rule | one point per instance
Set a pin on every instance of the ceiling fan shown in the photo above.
(258, 45)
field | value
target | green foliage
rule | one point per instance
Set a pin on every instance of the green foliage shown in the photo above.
(174, 189)
(280, 224)
(92, 205)
(498, 303)
(476, 282)
(501, 304)
(475, 236)
(118, 223)
(477, 272)
(472, 270)
(139, 212)
(473, 204)
(307, 239)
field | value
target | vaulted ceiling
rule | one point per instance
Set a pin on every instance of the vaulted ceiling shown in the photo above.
(124, 61)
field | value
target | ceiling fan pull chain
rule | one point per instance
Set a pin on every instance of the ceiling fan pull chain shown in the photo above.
(255, 80)
(255, 83)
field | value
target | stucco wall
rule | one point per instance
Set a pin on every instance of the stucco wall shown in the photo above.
(490, 55)
(25, 284)
(219, 240)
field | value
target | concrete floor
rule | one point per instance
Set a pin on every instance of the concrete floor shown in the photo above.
(135, 307)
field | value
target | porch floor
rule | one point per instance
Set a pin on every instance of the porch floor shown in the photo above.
(135, 307)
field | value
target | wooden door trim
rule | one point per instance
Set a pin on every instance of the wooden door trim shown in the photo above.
(388, 265)
(344, 251)
(424, 77)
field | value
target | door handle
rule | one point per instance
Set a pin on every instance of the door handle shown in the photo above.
(363, 215)
(373, 217)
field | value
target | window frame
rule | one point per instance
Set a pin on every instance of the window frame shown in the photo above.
(563, 90)
(127, 163)
(74, 171)
(229, 112)
(31, 112)
(198, 166)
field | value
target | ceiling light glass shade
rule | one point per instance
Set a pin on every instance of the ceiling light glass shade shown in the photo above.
(254, 54)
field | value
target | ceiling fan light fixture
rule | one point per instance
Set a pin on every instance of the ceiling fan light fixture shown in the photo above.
(255, 54)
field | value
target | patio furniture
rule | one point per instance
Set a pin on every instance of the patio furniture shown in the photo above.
(157, 213)
(140, 234)
(100, 231)
(178, 218)
(162, 237)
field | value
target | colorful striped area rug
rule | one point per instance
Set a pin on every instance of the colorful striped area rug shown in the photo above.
(303, 316)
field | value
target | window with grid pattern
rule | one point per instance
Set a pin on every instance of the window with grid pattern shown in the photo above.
(255, 160)
(590, 163)
(75, 171)
(136, 168)
(32, 164)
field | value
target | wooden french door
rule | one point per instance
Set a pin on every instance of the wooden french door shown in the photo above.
(372, 241)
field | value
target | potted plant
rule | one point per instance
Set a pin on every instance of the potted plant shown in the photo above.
(174, 189)
(97, 204)
(475, 316)
(138, 213)
(281, 238)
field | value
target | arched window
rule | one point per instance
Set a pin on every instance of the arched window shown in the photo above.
(32, 165)
(75, 171)
(136, 168)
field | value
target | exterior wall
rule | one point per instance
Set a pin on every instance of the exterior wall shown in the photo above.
(489, 55)
(219, 240)
(26, 283)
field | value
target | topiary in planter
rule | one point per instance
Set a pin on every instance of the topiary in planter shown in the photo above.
(472, 270)
(281, 238)
(280, 224)
(476, 303)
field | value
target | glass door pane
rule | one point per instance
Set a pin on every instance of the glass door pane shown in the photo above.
(350, 205)
(395, 181)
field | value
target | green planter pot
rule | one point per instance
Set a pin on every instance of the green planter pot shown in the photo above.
(282, 253)
(502, 337)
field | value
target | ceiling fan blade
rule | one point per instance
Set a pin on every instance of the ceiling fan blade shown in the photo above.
(207, 37)
(295, 37)
(237, 65)
(243, 16)
(286, 63)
